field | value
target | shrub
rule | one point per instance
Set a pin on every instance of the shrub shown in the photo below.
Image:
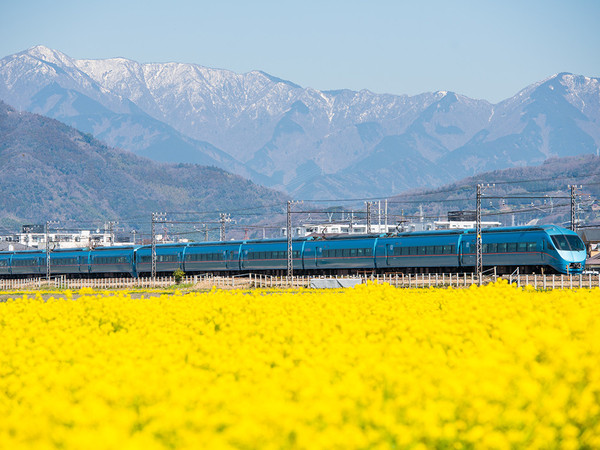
(178, 275)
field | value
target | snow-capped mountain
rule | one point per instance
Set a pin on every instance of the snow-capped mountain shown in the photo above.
(311, 143)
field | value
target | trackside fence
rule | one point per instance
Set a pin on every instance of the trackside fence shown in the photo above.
(261, 281)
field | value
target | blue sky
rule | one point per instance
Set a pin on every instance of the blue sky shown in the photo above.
(482, 49)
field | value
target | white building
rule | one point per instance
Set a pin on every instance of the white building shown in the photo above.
(313, 229)
(34, 238)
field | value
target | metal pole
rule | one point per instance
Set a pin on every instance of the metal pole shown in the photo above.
(290, 259)
(156, 217)
(479, 267)
(110, 231)
(223, 219)
(48, 250)
(386, 215)
(479, 245)
(153, 246)
(574, 207)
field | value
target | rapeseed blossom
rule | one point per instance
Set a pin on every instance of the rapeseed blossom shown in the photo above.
(370, 367)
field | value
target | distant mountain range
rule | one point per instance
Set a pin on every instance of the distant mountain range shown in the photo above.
(49, 171)
(313, 144)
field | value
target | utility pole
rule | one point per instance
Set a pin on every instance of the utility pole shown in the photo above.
(48, 250)
(290, 255)
(479, 246)
(223, 219)
(574, 206)
(290, 259)
(156, 217)
(386, 215)
(110, 232)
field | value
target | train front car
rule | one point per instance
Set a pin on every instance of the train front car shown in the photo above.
(566, 250)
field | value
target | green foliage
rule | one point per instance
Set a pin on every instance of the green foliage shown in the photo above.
(54, 171)
(178, 275)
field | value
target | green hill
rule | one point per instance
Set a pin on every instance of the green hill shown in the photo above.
(51, 171)
(537, 193)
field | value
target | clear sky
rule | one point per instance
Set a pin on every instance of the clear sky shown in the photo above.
(481, 48)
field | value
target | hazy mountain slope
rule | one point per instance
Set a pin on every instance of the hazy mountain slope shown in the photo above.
(544, 188)
(50, 170)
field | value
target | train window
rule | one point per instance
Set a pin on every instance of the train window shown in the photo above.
(64, 261)
(502, 247)
(567, 242)
(532, 246)
(23, 262)
(522, 246)
(575, 242)
(511, 247)
(560, 242)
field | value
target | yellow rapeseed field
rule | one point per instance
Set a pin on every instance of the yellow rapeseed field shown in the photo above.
(370, 367)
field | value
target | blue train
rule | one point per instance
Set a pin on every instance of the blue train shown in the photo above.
(532, 249)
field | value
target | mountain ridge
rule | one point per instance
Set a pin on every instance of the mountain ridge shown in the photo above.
(306, 141)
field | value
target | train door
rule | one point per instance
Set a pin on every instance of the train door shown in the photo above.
(243, 258)
(232, 261)
(230, 256)
(389, 254)
(468, 253)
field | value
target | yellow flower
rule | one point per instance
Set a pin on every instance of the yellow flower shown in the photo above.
(370, 367)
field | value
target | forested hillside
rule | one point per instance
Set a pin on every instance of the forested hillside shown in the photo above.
(537, 193)
(51, 171)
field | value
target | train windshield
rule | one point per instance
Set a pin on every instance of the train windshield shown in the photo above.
(568, 242)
